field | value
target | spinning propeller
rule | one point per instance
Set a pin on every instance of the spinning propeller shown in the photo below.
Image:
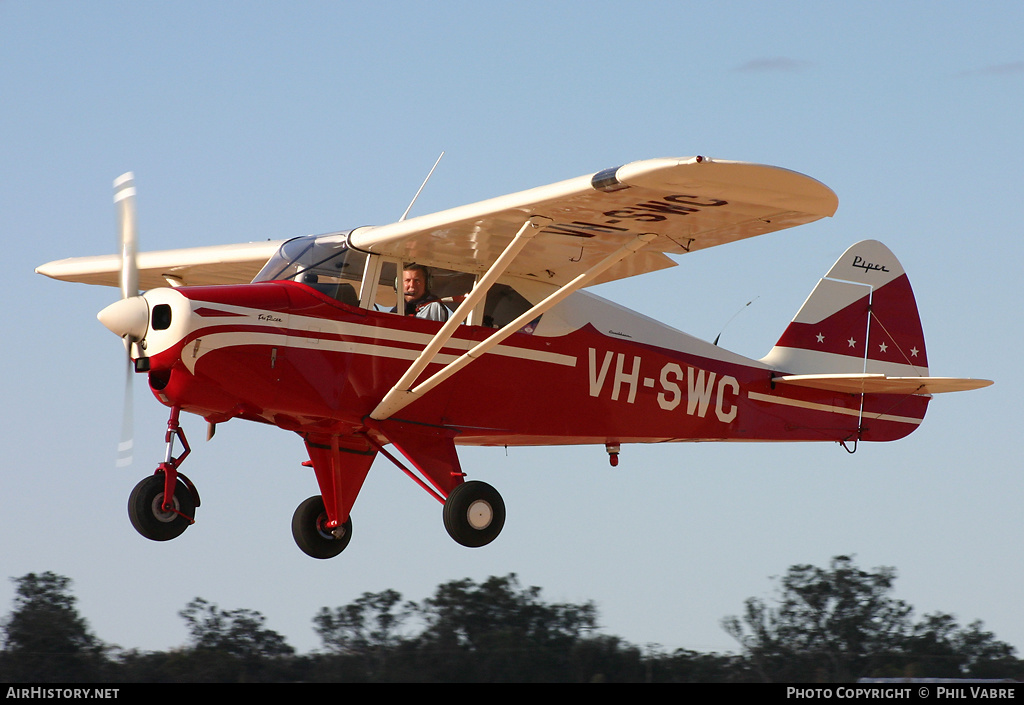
(128, 317)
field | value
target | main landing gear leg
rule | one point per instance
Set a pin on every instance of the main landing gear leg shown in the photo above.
(164, 504)
(474, 512)
(322, 525)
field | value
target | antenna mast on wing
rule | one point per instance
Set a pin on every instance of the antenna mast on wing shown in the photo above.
(421, 188)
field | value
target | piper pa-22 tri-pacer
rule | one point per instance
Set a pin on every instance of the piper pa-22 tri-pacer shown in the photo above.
(311, 335)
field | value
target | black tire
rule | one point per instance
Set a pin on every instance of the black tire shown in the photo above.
(309, 532)
(474, 514)
(146, 513)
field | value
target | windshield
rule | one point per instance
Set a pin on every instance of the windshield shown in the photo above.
(320, 254)
(322, 262)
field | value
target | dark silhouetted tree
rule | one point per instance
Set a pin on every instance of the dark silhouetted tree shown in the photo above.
(44, 637)
(364, 634)
(938, 647)
(498, 631)
(374, 621)
(607, 659)
(232, 644)
(685, 666)
(842, 623)
(834, 624)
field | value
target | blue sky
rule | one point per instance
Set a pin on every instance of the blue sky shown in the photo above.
(255, 120)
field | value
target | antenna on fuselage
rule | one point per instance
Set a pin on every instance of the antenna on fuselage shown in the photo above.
(733, 317)
(421, 188)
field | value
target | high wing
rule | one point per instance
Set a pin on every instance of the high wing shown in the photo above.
(195, 266)
(689, 203)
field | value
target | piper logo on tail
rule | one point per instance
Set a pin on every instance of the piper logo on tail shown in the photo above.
(861, 263)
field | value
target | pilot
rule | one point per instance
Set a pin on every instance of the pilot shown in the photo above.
(419, 301)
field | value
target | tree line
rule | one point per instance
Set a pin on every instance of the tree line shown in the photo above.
(832, 624)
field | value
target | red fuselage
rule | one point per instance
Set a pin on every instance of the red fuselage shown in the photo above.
(284, 354)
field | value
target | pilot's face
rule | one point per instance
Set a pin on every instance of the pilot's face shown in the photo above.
(414, 284)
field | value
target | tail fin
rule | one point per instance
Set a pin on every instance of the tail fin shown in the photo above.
(861, 319)
(859, 333)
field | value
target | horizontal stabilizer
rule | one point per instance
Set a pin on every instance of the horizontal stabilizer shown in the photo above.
(881, 384)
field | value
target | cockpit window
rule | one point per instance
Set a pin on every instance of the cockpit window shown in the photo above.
(323, 262)
(504, 305)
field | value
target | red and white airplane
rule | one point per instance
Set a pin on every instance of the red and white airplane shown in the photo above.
(300, 334)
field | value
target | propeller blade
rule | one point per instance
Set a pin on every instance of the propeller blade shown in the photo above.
(129, 316)
(125, 448)
(124, 198)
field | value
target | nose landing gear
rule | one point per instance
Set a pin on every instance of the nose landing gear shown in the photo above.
(164, 504)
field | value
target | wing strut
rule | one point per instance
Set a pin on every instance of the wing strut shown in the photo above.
(392, 400)
(401, 395)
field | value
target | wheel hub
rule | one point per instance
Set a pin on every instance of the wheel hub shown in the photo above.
(158, 509)
(480, 514)
(321, 527)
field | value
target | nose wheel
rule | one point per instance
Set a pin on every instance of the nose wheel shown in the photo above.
(474, 514)
(156, 518)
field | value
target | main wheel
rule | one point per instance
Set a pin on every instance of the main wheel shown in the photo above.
(474, 514)
(310, 534)
(145, 509)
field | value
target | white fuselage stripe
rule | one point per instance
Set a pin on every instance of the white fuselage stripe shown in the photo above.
(279, 336)
(321, 326)
(814, 406)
